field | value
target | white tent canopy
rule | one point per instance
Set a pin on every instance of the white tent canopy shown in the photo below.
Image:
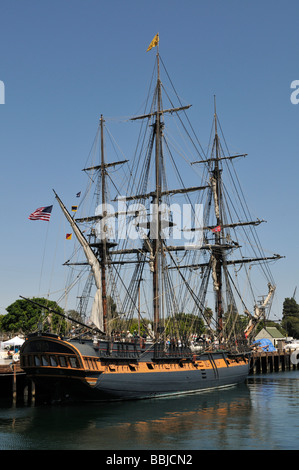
(16, 341)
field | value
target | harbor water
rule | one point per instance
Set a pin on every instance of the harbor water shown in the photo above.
(262, 414)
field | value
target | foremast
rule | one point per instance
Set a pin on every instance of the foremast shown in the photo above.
(217, 254)
(218, 259)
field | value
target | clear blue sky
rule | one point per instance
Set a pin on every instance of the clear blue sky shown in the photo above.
(65, 62)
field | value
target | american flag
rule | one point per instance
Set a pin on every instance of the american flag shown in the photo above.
(43, 213)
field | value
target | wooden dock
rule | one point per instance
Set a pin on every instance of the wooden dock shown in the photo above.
(14, 384)
(274, 361)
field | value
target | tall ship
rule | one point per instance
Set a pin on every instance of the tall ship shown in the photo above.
(165, 250)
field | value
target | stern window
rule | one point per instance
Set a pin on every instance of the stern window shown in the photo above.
(45, 361)
(53, 361)
(62, 361)
(36, 361)
(73, 362)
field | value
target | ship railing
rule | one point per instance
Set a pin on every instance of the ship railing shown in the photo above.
(171, 351)
(118, 349)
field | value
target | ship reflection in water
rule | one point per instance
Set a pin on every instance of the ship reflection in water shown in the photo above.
(172, 423)
(169, 424)
(263, 414)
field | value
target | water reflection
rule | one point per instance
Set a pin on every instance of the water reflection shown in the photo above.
(261, 414)
(147, 424)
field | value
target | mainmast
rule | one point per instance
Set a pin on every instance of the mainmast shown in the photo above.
(156, 212)
(159, 192)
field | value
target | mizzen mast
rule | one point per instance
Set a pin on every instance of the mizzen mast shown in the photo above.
(103, 247)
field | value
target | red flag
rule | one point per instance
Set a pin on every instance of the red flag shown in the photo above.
(216, 229)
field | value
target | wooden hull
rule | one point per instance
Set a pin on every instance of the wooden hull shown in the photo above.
(74, 371)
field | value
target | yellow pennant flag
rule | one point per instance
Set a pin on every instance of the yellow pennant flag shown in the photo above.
(154, 43)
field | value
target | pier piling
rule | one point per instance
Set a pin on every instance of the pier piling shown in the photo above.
(13, 382)
(263, 362)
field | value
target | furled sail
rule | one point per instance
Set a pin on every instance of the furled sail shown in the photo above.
(258, 311)
(97, 308)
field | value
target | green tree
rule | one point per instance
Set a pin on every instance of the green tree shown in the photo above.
(290, 317)
(233, 321)
(74, 315)
(184, 324)
(1, 316)
(208, 315)
(24, 317)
